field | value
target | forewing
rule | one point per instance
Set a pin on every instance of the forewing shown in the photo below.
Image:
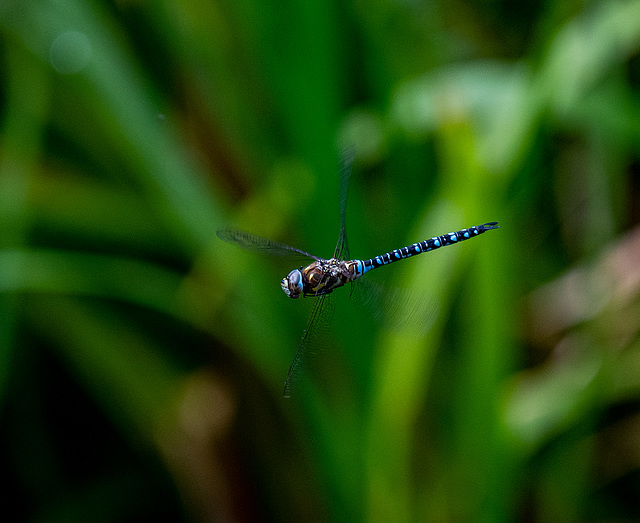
(312, 338)
(255, 243)
(342, 247)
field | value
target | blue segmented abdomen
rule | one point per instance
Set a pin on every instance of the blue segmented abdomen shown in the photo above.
(424, 246)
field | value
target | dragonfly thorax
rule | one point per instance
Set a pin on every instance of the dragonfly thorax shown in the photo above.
(319, 278)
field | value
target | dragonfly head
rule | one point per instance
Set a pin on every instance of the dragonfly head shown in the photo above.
(292, 284)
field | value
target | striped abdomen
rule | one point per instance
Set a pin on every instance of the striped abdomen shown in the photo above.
(431, 244)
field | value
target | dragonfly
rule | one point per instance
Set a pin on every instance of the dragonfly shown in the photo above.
(323, 276)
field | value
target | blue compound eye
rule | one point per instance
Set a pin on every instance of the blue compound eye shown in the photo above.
(292, 284)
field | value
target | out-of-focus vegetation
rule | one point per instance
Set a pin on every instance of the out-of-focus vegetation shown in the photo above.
(142, 360)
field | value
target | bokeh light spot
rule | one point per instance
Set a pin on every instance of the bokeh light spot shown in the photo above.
(70, 52)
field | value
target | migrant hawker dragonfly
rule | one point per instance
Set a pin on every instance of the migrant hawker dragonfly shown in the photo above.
(321, 277)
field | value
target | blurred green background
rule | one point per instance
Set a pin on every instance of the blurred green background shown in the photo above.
(142, 359)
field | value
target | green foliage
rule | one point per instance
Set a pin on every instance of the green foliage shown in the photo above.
(142, 359)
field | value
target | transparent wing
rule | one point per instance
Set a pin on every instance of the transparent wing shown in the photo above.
(397, 310)
(312, 338)
(255, 243)
(342, 247)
